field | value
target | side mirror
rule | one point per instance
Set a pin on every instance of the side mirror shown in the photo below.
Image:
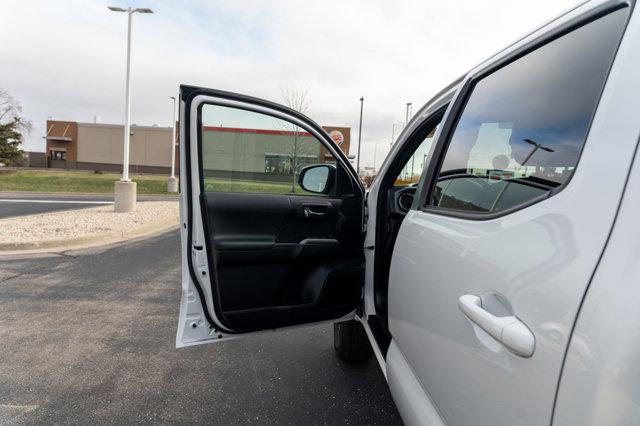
(318, 178)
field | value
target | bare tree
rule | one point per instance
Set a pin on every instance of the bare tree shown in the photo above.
(297, 99)
(13, 128)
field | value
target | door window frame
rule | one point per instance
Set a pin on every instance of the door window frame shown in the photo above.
(428, 181)
(296, 119)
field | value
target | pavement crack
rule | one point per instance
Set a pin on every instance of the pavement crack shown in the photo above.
(62, 253)
(10, 278)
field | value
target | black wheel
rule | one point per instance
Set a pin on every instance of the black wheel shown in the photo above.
(350, 341)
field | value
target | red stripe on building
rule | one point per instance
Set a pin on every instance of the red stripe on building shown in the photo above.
(254, 131)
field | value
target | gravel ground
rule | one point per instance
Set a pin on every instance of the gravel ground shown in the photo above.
(84, 222)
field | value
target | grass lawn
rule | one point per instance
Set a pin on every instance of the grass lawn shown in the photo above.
(75, 181)
(217, 185)
(89, 182)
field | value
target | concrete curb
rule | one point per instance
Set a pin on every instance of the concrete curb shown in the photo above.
(63, 244)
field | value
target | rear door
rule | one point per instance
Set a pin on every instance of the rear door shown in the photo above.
(490, 266)
(271, 214)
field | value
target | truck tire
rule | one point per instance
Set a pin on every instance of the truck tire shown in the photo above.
(350, 342)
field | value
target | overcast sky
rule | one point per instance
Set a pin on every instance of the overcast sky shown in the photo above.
(66, 59)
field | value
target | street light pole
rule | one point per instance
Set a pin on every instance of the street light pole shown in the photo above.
(172, 184)
(393, 131)
(125, 190)
(536, 146)
(375, 153)
(359, 136)
(413, 157)
(127, 105)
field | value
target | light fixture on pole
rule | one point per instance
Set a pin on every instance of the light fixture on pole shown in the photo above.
(536, 146)
(125, 190)
(393, 131)
(359, 136)
(408, 113)
(172, 184)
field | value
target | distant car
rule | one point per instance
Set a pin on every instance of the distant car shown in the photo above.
(492, 268)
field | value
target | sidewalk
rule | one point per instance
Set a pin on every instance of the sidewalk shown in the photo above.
(85, 227)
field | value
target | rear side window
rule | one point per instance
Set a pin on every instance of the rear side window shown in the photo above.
(521, 132)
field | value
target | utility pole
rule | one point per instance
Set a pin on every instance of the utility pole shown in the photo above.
(172, 184)
(408, 115)
(359, 136)
(125, 190)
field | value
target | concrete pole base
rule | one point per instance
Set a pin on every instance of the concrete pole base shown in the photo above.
(125, 196)
(172, 185)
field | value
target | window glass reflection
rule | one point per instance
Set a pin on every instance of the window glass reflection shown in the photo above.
(523, 127)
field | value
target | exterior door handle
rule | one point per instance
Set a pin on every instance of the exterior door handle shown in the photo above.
(508, 330)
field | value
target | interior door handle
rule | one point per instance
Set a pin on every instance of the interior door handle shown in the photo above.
(310, 214)
(508, 330)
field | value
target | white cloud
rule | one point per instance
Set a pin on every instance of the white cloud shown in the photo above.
(67, 59)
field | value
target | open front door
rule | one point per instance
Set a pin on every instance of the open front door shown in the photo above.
(271, 215)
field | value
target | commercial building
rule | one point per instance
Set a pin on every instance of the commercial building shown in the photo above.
(97, 146)
(229, 152)
(264, 155)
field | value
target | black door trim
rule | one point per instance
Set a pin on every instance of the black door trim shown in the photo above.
(187, 95)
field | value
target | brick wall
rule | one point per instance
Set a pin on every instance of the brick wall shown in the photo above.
(57, 134)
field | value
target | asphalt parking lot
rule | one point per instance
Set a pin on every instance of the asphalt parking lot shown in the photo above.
(89, 337)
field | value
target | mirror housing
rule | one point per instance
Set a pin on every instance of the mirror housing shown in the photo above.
(317, 178)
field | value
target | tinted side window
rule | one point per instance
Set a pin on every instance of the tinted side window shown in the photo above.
(522, 130)
(246, 151)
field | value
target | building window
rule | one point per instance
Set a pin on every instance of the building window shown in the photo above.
(58, 155)
(277, 164)
(283, 163)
